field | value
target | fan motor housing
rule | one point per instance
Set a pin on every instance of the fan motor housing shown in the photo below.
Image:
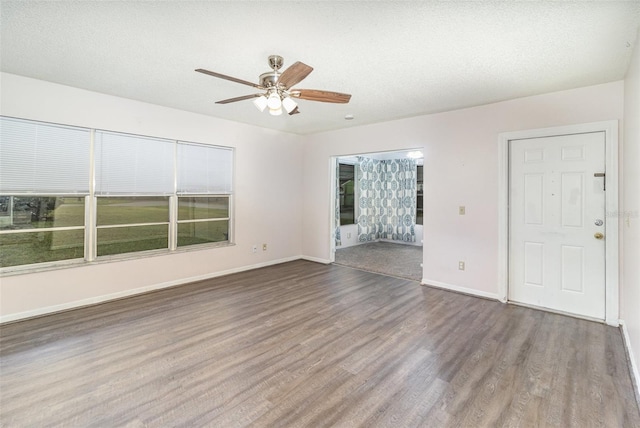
(269, 79)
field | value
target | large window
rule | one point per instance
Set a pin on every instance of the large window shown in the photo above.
(73, 193)
(347, 194)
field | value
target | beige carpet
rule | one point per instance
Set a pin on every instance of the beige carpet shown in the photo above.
(399, 260)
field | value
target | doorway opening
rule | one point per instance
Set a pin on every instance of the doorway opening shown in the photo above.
(378, 205)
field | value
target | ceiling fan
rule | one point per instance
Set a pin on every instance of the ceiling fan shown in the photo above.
(278, 88)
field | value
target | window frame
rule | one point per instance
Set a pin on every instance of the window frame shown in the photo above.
(355, 193)
(98, 227)
(210, 219)
(90, 226)
(60, 262)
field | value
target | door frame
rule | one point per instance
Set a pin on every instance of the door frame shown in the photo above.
(610, 129)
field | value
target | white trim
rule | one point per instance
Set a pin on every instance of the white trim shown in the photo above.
(333, 184)
(554, 311)
(633, 368)
(91, 206)
(115, 226)
(40, 229)
(610, 128)
(316, 260)
(128, 293)
(459, 289)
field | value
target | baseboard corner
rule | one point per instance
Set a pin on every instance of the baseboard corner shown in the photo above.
(316, 259)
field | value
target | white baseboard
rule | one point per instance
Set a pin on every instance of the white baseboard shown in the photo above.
(316, 259)
(132, 292)
(635, 375)
(458, 289)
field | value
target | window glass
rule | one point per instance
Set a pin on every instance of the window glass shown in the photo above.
(132, 210)
(201, 232)
(128, 239)
(32, 212)
(347, 194)
(195, 208)
(21, 213)
(42, 246)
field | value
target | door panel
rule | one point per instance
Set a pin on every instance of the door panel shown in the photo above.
(554, 259)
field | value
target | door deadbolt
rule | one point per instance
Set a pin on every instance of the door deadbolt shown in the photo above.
(598, 222)
(598, 235)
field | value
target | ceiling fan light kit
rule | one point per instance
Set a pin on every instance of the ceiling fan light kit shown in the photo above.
(260, 102)
(288, 104)
(274, 101)
(278, 89)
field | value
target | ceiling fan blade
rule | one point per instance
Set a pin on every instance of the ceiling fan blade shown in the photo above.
(318, 95)
(294, 74)
(224, 76)
(233, 100)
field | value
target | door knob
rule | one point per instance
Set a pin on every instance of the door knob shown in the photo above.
(598, 235)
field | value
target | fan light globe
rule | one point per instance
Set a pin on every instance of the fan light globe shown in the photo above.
(288, 104)
(275, 111)
(260, 102)
(274, 102)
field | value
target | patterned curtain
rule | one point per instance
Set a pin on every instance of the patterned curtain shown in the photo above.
(337, 213)
(401, 175)
(370, 178)
(387, 199)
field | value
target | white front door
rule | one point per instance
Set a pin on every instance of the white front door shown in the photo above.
(557, 223)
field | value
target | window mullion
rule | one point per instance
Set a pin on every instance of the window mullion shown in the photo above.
(90, 205)
(173, 219)
(173, 203)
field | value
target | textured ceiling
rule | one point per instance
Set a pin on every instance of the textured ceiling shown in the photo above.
(397, 59)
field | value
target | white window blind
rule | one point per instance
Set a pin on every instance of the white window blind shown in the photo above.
(131, 164)
(204, 169)
(43, 158)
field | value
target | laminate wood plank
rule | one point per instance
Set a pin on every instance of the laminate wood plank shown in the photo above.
(310, 345)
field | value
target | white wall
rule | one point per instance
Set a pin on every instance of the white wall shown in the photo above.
(460, 168)
(266, 210)
(630, 219)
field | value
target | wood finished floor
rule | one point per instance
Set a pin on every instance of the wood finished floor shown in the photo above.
(304, 344)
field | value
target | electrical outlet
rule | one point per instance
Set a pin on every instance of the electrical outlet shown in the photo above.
(461, 265)
(264, 247)
(254, 248)
(461, 210)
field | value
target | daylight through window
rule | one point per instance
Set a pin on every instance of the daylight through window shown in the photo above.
(69, 193)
